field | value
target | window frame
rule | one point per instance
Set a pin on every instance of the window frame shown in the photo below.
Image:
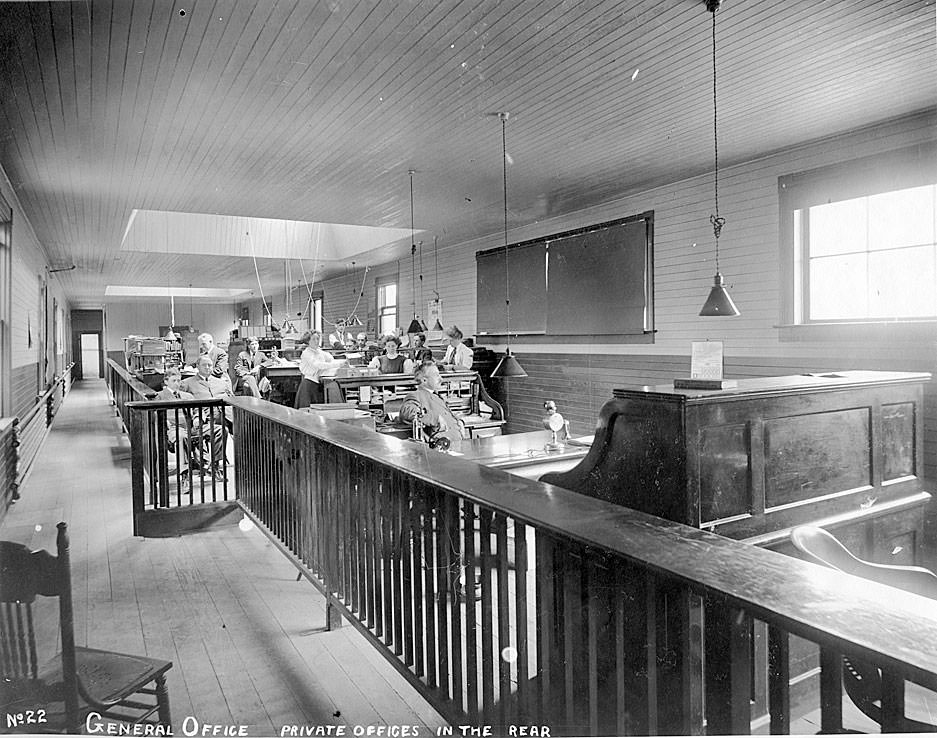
(904, 168)
(380, 284)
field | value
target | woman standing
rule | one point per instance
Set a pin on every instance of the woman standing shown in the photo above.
(311, 363)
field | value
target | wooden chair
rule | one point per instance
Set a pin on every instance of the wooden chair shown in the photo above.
(862, 680)
(78, 680)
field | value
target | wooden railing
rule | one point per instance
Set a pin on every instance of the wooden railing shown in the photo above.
(22, 437)
(507, 601)
(178, 455)
(123, 388)
(9, 486)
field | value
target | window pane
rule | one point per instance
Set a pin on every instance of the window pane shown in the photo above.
(838, 227)
(838, 287)
(903, 283)
(902, 218)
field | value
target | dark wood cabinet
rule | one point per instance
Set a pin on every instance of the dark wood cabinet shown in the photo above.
(772, 453)
(843, 450)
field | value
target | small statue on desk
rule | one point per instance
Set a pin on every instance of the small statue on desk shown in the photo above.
(554, 422)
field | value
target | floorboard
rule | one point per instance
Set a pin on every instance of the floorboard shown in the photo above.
(247, 640)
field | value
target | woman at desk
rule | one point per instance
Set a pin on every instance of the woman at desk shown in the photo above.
(312, 362)
(457, 353)
(392, 361)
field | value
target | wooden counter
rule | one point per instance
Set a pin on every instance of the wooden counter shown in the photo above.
(522, 454)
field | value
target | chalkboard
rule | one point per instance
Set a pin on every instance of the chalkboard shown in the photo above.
(593, 281)
(527, 265)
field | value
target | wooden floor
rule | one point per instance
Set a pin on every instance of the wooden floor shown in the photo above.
(247, 640)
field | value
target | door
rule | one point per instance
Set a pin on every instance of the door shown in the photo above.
(90, 352)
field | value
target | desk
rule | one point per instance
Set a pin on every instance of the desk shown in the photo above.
(521, 453)
(463, 392)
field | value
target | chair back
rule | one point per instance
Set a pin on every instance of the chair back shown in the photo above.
(23, 576)
(821, 547)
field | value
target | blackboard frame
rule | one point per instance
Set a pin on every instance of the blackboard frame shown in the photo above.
(590, 325)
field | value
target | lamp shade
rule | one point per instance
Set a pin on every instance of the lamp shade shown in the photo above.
(415, 326)
(508, 367)
(719, 304)
(437, 326)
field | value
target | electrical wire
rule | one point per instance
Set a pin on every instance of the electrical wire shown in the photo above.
(257, 274)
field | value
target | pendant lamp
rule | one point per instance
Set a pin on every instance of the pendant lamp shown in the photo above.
(718, 304)
(414, 326)
(508, 366)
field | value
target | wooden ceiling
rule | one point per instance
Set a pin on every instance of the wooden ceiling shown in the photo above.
(315, 111)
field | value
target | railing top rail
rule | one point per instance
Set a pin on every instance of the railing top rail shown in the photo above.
(888, 626)
(41, 399)
(135, 384)
(170, 404)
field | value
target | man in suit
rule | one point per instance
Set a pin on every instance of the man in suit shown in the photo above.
(249, 370)
(435, 416)
(219, 357)
(210, 425)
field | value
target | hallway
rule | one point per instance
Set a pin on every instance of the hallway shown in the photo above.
(246, 639)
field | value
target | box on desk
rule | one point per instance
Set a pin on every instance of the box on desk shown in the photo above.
(346, 412)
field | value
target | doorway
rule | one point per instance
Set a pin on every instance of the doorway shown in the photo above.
(90, 355)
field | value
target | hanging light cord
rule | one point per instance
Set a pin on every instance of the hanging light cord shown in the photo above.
(260, 287)
(507, 271)
(436, 259)
(715, 219)
(412, 251)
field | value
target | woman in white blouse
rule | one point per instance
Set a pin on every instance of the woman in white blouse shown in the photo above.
(312, 362)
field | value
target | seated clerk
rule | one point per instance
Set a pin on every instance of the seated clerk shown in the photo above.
(312, 362)
(249, 369)
(391, 361)
(420, 353)
(219, 357)
(176, 425)
(457, 353)
(437, 418)
(209, 425)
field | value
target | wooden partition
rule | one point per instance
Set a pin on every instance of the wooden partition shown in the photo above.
(123, 388)
(508, 601)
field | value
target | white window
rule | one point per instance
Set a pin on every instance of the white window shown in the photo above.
(859, 241)
(871, 258)
(315, 311)
(386, 307)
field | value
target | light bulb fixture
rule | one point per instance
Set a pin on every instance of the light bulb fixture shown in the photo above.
(718, 304)
(508, 366)
(437, 326)
(414, 326)
(191, 319)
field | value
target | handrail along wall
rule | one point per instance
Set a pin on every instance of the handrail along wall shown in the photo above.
(22, 437)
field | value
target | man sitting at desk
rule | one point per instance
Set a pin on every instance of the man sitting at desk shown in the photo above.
(219, 357)
(392, 362)
(207, 424)
(436, 417)
(249, 370)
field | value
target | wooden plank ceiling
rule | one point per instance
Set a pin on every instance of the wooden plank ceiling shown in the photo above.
(314, 111)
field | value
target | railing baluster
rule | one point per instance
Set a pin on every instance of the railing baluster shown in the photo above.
(406, 550)
(416, 547)
(571, 627)
(521, 614)
(488, 688)
(429, 589)
(444, 566)
(779, 680)
(652, 601)
(454, 540)
(892, 702)
(546, 624)
(505, 697)
(831, 691)
(396, 546)
(592, 644)
(471, 618)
